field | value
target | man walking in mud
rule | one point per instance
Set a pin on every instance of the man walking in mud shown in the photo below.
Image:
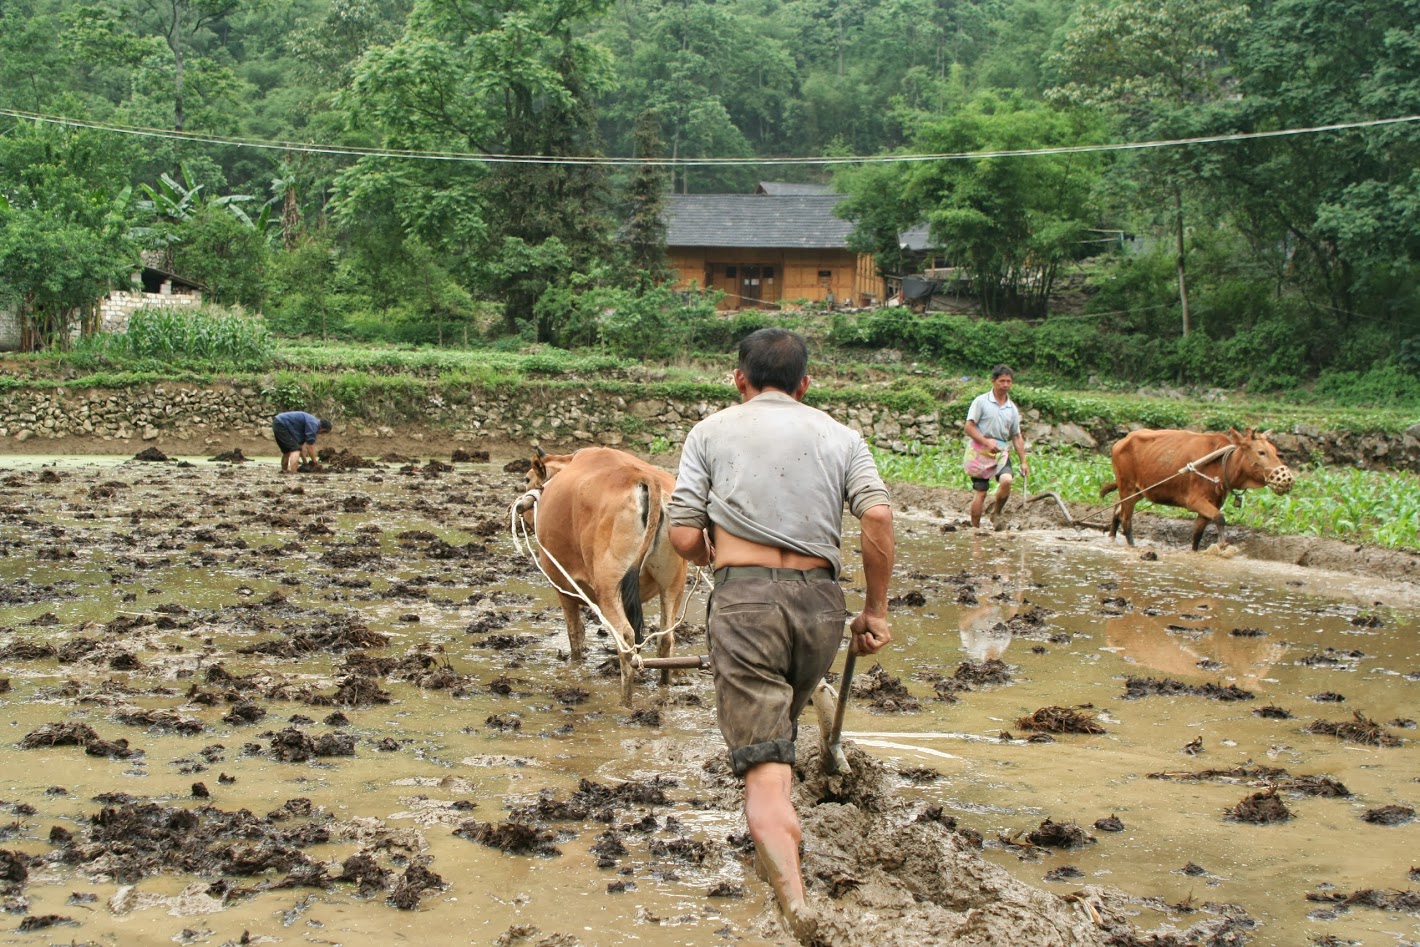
(760, 496)
(296, 433)
(991, 422)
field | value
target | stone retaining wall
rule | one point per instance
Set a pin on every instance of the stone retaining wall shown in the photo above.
(563, 419)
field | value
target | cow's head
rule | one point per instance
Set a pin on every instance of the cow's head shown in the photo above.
(1259, 464)
(544, 466)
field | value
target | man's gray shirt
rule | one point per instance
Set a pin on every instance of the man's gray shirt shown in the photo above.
(776, 472)
(1000, 422)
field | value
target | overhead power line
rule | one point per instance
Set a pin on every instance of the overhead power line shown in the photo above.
(461, 156)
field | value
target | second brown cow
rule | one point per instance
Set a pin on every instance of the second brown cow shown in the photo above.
(1192, 470)
(601, 520)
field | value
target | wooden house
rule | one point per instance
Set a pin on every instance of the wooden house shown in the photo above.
(765, 249)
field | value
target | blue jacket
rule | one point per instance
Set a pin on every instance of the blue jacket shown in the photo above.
(302, 427)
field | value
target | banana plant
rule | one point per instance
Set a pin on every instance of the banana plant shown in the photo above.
(176, 201)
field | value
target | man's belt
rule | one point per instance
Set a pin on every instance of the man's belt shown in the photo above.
(726, 573)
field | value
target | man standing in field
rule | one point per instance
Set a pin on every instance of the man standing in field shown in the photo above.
(296, 437)
(760, 496)
(992, 421)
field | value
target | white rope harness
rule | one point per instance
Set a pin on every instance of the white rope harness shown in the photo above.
(526, 543)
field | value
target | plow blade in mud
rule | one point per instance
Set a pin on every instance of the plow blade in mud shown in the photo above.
(1052, 495)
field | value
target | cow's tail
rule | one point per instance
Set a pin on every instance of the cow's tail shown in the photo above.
(651, 515)
(1109, 488)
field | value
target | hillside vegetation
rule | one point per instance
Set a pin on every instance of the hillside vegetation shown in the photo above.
(432, 172)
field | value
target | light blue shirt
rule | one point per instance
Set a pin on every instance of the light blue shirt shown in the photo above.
(1000, 422)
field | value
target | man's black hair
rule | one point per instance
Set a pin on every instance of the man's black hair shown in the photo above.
(323, 426)
(774, 358)
(1000, 370)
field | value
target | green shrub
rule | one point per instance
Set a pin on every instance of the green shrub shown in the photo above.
(1071, 348)
(1387, 385)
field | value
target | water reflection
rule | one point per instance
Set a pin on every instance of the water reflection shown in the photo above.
(998, 595)
(1191, 638)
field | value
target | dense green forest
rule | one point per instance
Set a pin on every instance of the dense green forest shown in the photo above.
(1264, 252)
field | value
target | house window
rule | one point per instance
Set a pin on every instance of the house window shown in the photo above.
(729, 271)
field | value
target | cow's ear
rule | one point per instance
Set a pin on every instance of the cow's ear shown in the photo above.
(540, 451)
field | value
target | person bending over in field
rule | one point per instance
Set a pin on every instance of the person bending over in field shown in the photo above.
(296, 438)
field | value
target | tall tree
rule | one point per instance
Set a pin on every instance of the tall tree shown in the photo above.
(1337, 215)
(1010, 222)
(65, 215)
(505, 77)
(1157, 68)
(645, 224)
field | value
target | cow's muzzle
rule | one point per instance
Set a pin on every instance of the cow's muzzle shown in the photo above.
(1280, 480)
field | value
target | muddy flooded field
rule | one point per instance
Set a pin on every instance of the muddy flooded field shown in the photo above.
(335, 708)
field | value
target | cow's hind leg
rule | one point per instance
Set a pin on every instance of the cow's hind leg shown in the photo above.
(614, 610)
(1125, 517)
(665, 646)
(576, 632)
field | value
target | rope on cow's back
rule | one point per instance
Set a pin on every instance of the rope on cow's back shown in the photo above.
(523, 542)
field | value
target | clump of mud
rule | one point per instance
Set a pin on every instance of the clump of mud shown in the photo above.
(1136, 687)
(335, 634)
(1060, 720)
(515, 838)
(77, 734)
(1360, 729)
(1260, 808)
(152, 454)
(1050, 834)
(884, 692)
(233, 456)
(344, 460)
(1272, 777)
(1389, 815)
(461, 456)
(293, 745)
(1405, 901)
(978, 673)
(131, 840)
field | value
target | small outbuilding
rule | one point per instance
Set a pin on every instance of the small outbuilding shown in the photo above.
(149, 287)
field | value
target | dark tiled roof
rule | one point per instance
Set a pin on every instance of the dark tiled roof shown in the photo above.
(777, 188)
(801, 221)
(916, 238)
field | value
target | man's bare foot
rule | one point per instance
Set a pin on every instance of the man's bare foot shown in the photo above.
(802, 921)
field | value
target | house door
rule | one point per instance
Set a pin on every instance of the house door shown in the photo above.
(756, 285)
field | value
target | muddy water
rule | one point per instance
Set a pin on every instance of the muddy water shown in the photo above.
(237, 556)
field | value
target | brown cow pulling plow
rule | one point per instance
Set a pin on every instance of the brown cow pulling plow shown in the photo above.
(600, 521)
(1194, 471)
